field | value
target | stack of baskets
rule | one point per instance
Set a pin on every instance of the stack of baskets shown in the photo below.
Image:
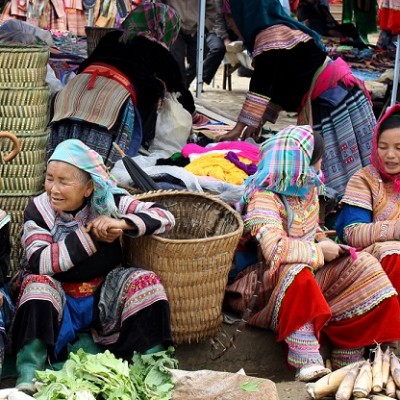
(192, 260)
(24, 105)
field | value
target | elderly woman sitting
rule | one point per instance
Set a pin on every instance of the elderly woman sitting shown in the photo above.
(75, 279)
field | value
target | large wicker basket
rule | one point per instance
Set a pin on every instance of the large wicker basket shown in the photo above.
(192, 260)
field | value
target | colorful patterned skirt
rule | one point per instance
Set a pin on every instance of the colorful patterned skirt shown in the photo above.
(346, 121)
(341, 300)
(129, 312)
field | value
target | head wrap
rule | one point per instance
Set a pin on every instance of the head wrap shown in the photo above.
(252, 16)
(76, 153)
(375, 159)
(155, 21)
(284, 166)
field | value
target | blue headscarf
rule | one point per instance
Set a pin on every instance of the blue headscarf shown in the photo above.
(252, 16)
(76, 153)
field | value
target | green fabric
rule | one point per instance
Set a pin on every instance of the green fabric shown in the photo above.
(85, 341)
(365, 21)
(155, 349)
(30, 358)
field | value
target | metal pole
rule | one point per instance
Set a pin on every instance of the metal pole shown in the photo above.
(200, 46)
(396, 73)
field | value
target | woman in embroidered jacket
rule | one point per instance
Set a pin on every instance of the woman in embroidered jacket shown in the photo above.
(75, 280)
(370, 213)
(293, 73)
(310, 290)
(116, 94)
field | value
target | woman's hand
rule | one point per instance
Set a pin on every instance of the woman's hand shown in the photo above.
(241, 132)
(107, 229)
(330, 249)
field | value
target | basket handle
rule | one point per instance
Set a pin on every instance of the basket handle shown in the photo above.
(16, 145)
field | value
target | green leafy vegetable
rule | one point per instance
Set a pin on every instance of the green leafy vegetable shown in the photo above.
(102, 376)
(250, 386)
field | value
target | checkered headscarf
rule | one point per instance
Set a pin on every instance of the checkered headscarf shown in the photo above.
(155, 21)
(284, 166)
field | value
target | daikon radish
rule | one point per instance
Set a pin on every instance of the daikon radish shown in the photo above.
(345, 389)
(386, 366)
(390, 389)
(363, 384)
(377, 383)
(380, 397)
(328, 384)
(395, 368)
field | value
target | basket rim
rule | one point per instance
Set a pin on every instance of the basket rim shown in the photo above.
(146, 195)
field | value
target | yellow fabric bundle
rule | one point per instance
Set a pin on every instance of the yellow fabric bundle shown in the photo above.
(217, 166)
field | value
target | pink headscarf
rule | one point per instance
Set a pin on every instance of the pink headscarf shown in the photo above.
(375, 159)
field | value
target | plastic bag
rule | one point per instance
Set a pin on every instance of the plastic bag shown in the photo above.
(173, 127)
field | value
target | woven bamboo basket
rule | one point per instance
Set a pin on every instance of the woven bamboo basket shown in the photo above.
(17, 218)
(23, 123)
(29, 158)
(18, 56)
(14, 203)
(23, 77)
(18, 96)
(93, 36)
(35, 142)
(24, 111)
(17, 186)
(17, 252)
(15, 206)
(22, 171)
(192, 260)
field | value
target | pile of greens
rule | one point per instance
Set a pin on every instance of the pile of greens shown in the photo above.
(102, 376)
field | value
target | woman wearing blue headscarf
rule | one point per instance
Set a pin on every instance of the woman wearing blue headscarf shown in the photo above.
(75, 280)
(293, 73)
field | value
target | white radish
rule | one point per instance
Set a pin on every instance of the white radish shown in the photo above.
(390, 388)
(377, 383)
(395, 369)
(363, 384)
(328, 384)
(345, 389)
(386, 366)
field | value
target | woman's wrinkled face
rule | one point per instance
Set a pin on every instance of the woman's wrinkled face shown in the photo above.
(66, 186)
(389, 150)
